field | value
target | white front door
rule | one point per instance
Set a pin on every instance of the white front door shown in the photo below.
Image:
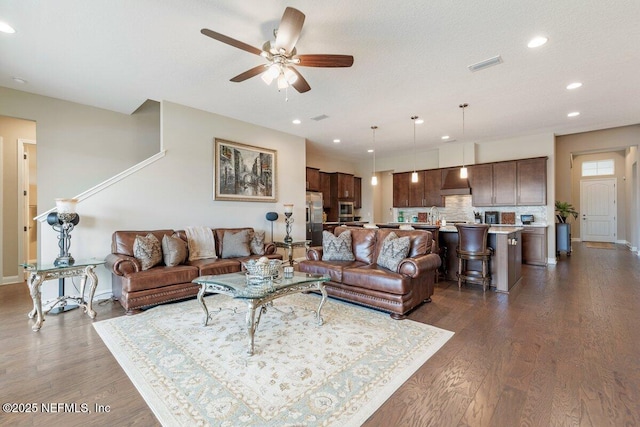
(598, 210)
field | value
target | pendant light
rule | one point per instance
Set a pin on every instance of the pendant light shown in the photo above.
(414, 175)
(463, 169)
(374, 178)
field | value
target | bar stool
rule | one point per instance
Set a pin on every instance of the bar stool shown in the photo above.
(472, 246)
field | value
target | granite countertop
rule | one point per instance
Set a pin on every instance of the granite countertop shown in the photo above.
(503, 229)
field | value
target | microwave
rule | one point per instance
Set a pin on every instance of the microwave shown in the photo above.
(345, 210)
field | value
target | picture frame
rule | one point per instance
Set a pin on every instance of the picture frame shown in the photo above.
(244, 172)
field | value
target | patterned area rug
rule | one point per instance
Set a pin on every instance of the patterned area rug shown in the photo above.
(301, 374)
(600, 245)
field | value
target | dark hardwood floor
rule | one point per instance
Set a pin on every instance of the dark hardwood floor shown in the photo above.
(562, 349)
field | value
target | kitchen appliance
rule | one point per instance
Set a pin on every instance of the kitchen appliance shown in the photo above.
(314, 218)
(345, 211)
(526, 219)
(492, 217)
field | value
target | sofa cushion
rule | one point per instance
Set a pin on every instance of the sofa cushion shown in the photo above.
(158, 277)
(394, 249)
(213, 266)
(377, 278)
(236, 245)
(363, 243)
(337, 248)
(332, 269)
(174, 250)
(147, 250)
(257, 243)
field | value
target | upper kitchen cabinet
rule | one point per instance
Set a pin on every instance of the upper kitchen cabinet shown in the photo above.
(513, 183)
(432, 185)
(313, 179)
(357, 192)
(401, 183)
(493, 184)
(325, 189)
(532, 181)
(342, 186)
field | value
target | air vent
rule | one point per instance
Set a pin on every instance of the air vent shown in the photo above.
(320, 117)
(485, 64)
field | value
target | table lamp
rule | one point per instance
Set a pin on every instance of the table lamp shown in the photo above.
(63, 221)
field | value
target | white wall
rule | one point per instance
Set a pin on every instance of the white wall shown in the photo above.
(176, 191)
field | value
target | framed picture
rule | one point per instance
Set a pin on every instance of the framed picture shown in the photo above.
(244, 172)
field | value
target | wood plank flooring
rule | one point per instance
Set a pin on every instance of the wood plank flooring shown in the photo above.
(562, 349)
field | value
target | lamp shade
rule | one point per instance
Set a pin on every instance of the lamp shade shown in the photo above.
(288, 208)
(66, 205)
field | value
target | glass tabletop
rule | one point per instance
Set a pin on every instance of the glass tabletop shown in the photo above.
(238, 285)
(47, 266)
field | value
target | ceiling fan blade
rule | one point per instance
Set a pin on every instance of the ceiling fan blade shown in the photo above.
(249, 73)
(289, 29)
(325, 60)
(231, 42)
(300, 84)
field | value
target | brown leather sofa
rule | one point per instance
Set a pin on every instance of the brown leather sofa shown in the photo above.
(137, 289)
(364, 282)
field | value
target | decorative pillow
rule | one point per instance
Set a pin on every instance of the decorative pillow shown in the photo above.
(174, 250)
(337, 248)
(257, 243)
(394, 249)
(236, 244)
(147, 250)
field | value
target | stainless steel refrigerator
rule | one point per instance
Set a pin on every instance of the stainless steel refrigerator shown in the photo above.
(314, 218)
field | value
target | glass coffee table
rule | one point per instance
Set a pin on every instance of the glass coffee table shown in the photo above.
(259, 295)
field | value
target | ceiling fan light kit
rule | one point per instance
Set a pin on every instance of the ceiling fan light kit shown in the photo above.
(281, 55)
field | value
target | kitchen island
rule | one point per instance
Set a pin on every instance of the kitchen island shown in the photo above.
(506, 262)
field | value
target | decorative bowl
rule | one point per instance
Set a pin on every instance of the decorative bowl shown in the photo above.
(260, 271)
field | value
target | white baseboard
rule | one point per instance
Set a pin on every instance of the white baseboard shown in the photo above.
(10, 280)
(552, 261)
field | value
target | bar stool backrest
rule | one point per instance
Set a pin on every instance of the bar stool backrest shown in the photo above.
(472, 237)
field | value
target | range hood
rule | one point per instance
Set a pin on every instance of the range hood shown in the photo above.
(453, 185)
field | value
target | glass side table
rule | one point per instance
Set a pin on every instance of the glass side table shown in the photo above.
(289, 247)
(41, 272)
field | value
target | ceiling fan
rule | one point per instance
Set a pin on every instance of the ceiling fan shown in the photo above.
(282, 55)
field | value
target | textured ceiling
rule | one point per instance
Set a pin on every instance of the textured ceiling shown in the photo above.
(411, 58)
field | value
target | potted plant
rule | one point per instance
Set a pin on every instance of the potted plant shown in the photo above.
(563, 210)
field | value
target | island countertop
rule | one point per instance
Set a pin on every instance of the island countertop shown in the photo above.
(492, 230)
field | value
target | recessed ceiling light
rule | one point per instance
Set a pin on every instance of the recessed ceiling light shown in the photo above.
(537, 42)
(336, 141)
(573, 114)
(296, 122)
(419, 121)
(19, 80)
(574, 85)
(6, 28)
(444, 137)
(370, 151)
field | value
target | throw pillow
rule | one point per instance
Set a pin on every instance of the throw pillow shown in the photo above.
(147, 250)
(337, 248)
(394, 249)
(236, 244)
(257, 243)
(174, 250)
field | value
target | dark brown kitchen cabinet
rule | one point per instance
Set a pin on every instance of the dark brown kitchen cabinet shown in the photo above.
(493, 184)
(416, 190)
(401, 183)
(532, 182)
(504, 184)
(325, 189)
(432, 186)
(481, 183)
(313, 179)
(357, 192)
(342, 186)
(534, 245)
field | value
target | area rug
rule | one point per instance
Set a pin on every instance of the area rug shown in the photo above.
(600, 245)
(301, 374)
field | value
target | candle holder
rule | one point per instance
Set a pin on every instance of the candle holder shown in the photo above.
(288, 211)
(288, 221)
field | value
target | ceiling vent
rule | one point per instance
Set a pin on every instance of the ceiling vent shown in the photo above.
(320, 117)
(485, 64)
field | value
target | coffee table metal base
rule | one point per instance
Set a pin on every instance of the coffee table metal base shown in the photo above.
(257, 306)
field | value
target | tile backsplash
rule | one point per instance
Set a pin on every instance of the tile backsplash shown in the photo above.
(459, 208)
